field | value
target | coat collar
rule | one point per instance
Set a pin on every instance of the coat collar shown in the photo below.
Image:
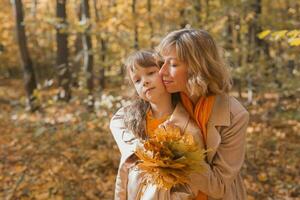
(184, 118)
(220, 115)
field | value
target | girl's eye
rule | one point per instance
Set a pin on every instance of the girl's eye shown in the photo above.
(137, 81)
(173, 65)
(151, 73)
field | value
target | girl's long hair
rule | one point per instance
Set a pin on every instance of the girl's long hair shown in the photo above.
(135, 113)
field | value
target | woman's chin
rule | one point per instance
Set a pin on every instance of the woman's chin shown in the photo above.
(172, 90)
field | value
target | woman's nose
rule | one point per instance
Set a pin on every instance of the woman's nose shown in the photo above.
(163, 70)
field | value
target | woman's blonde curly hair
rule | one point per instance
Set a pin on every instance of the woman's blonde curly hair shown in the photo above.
(208, 73)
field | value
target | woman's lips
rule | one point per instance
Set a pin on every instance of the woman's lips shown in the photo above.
(166, 82)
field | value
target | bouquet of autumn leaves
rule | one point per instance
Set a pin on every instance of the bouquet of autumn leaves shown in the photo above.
(167, 157)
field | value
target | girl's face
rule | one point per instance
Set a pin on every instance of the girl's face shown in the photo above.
(174, 72)
(148, 83)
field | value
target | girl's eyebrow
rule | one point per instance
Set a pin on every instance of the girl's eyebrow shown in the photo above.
(151, 67)
(134, 77)
(133, 74)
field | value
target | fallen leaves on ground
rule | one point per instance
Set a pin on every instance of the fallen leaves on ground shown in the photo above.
(67, 152)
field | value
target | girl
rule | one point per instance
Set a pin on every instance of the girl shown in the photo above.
(193, 67)
(136, 122)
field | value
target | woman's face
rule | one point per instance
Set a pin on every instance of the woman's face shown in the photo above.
(174, 72)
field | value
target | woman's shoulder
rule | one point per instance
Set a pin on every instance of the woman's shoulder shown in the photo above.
(226, 109)
(238, 113)
(235, 106)
(229, 103)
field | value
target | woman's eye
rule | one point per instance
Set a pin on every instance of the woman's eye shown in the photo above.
(137, 81)
(160, 63)
(173, 65)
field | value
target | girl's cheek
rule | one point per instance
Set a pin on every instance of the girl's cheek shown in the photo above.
(136, 88)
(139, 87)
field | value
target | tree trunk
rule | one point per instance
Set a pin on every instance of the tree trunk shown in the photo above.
(26, 62)
(250, 90)
(297, 12)
(207, 10)
(102, 49)
(149, 8)
(33, 8)
(255, 45)
(103, 59)
(198, 8)
(96, 10)
(229, 32)
(183, 18)
(238, 40)
(62, 52)
(88, 54)
(76, 65)
(291, 67)
(135, 28)
(237, 45)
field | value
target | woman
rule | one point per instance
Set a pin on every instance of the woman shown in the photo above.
(193, 67)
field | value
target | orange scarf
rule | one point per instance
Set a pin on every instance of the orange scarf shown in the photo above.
(152, 123)
(201, 113)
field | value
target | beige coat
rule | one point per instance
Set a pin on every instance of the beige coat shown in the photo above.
(226, 136)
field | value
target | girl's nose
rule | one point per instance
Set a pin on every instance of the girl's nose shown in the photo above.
(145, 83)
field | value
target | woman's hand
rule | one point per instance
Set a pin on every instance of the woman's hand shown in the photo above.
(166, 124)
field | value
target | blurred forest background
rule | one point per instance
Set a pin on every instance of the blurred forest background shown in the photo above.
(61, 80)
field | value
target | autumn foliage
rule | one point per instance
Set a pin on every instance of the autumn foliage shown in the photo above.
(64, 150)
